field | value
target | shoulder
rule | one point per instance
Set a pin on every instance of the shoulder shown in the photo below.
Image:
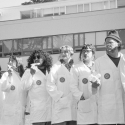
(56, 66)
(78, 66)
(100, 58)
(26, 74)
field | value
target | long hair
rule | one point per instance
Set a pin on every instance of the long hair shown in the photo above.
(19, 67)
(47, 60)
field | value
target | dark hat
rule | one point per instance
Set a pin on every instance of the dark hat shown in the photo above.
(114, 35)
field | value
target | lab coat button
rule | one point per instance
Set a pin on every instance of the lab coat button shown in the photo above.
(38, 82)
(62, 79)
(85, 80)
(107, 76)
(12, 87)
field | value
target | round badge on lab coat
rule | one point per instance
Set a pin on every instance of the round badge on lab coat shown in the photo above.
(38, 82)
(62, 79)
(107, 76)
(12, 87)
(85, 80)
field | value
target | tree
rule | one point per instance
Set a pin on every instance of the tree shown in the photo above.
(37, 1)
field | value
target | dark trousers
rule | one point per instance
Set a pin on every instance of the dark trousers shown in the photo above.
(66, 123)
(42, 123)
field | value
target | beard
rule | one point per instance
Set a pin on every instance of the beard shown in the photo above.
(111, 50)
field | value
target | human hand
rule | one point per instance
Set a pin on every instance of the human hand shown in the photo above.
(32, 71)
(95, 80)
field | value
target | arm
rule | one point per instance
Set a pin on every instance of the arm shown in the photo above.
(51, 85)
(5, 85)
(74, 85)
(27, 80)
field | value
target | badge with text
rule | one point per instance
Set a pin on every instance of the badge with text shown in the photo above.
(38, 82)
(85, 80)
(12, 87)
(62, 79)
(107, 76)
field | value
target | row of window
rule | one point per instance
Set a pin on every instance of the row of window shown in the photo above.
(37, 13)
(53, 43)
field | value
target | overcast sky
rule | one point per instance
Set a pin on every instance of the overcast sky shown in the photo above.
(8, 3)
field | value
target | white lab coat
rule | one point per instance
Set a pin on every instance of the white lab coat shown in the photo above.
(13, 110)
(58, 86)
(40, 101)
(110, 96)
(86, 109)
(1, 101)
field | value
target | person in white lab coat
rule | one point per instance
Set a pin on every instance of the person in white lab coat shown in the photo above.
(83, 88)
(34, 81)
(58, 86)
(13, 108)
(111, 66)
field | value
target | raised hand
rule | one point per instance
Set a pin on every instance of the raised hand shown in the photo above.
(32, 71)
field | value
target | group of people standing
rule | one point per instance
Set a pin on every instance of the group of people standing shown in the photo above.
(90, 92)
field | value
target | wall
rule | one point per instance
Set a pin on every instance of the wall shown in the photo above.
(83, 22)
(13, 13)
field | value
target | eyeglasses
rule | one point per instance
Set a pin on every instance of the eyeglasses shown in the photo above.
(86, 51)
(37, 57)
(64, 52)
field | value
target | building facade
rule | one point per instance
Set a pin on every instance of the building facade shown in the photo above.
(50, 25)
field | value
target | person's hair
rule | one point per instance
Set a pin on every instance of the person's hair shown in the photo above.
(67, 47)
(19, 67)
(47, 60)
(85, 47)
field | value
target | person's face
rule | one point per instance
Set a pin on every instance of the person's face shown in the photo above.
(65, 54)
(111, 44)
(87, 55)
(13, 63)
(37, 58)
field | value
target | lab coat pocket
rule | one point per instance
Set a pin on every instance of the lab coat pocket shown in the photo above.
(64, 103)
(108, 103)
(84, 106)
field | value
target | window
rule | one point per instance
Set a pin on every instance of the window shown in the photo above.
(76, 40)
(17, 45)
(106, 5)
(49, 43)
(71, 9)
(112, 4)
(122, 35)
(56, 11)
(61, 40)
(121, 3)
(86, 7)
(90, 38)
(97, 6)
(48, 12)
(39, 13)
(7, 44)
(28, 44)
(80, 8)
(1, 46)
(62, 10)
(37, 43)
(100, 38)
(26, 14)
(44, 41)
(81, 39)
